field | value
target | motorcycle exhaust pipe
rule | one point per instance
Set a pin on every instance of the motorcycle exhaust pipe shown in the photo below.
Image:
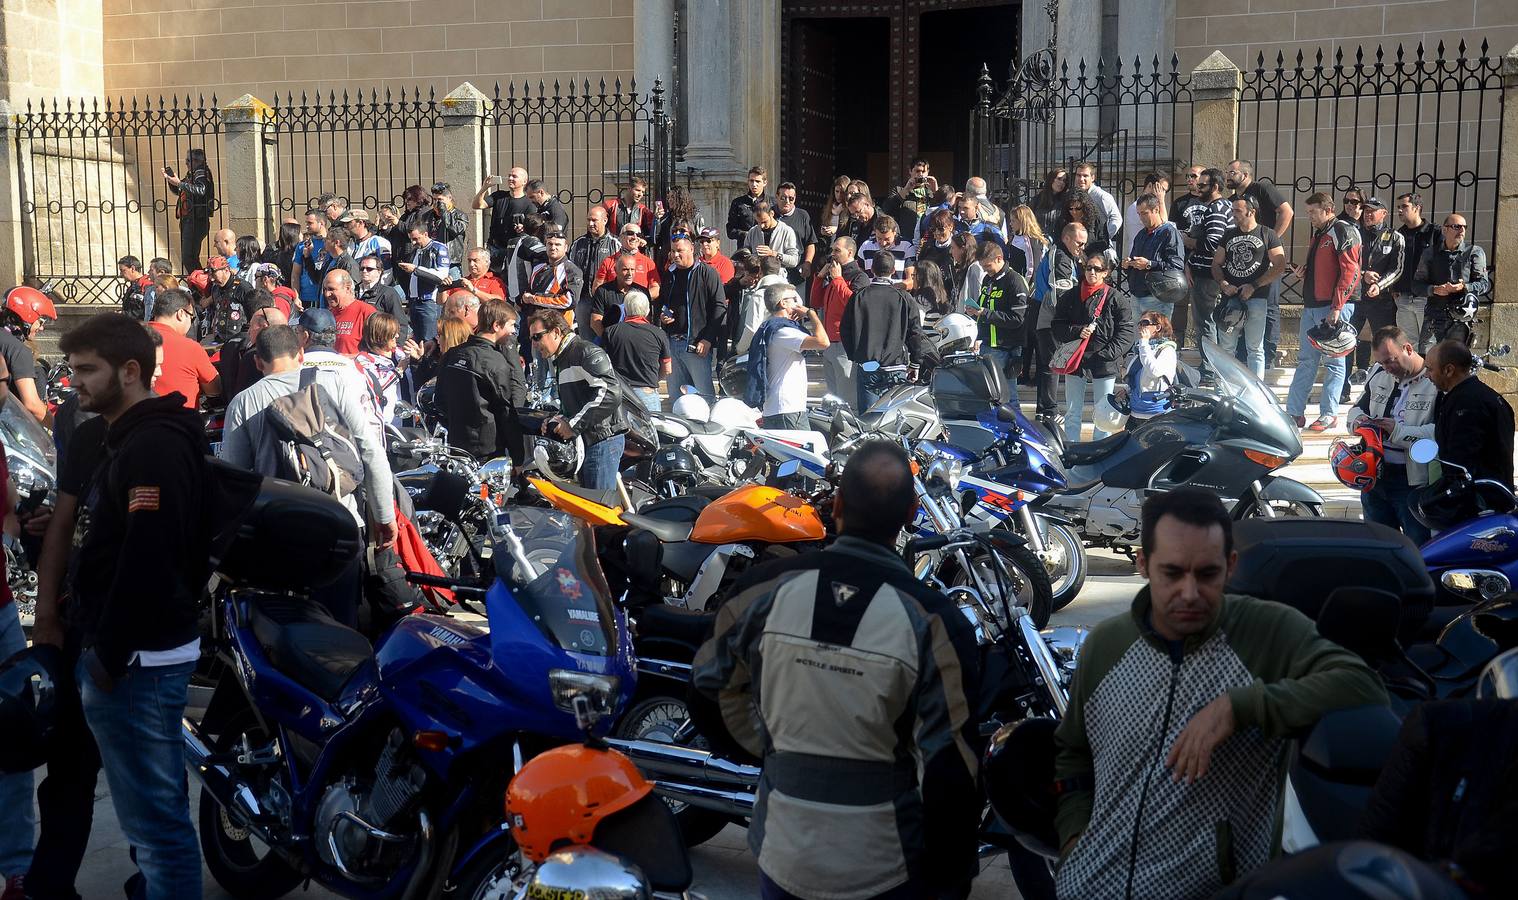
(738, 804)
(234, 794)
(686, 765)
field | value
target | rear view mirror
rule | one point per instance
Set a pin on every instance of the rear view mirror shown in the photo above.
(788, 468)
(1424, 451)
(869, 365)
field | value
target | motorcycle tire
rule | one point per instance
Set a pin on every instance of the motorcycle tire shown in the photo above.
(655, 719)
(1065, 582)
(1026, 567)
(228, 850)
(1249, 508)
(486, 878)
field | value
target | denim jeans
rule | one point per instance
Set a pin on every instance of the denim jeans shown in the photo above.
(66, 796)
(650, 398)
(15, 790)
(1150, 303)
(1272, 319)
(1204, 296)
(1250, 335)
(1308, 358)
(1006, 360)
(690, 369)
(1075, 404)
(1390, 503)
(136, 725)
(838, 369)
(603, 460)
(423, 315)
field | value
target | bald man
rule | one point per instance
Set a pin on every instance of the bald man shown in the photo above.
(225, 242)
(508, 211)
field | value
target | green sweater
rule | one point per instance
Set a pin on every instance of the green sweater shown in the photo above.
(1141, 833)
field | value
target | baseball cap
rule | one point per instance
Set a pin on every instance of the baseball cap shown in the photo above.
(1373, 203)
(707, 233)
(319, 325)
(217, 262)
(267, 270)
(358, 214)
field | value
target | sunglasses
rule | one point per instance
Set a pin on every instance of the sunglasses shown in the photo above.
(1093, 268)
(537, 336)
(1148, 323)
(368, 269)
(1455, 227)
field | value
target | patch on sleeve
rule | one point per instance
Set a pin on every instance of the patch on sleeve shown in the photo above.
(142, 499)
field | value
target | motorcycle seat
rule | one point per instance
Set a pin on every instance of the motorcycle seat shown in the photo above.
(1092, 452)
(666, 531)
(304, 642)
(677, 623)
(699, 427)
(608, 498)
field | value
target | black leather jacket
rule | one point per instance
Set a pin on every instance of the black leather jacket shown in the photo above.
(478, 392)
(590, 393)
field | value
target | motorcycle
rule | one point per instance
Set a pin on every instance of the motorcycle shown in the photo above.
(1227, 440)
(456, 542)
(1474, 557)
(33, 462)
(380, 770)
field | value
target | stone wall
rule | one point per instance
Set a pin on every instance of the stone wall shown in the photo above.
(49, 48)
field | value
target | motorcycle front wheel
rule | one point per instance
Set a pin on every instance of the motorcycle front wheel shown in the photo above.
(1250, 508)
(657, 719)
(243, 866)
(1064, 560)
(487, 878)
(1030, 581)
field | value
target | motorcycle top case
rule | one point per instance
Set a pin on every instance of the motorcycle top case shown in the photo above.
(1300, 561)
(968, 388)
(292, 538)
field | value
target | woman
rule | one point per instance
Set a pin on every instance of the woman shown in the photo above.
(1028, 236)
(416, 200)
(967, 274)
(1049, 205)
(196, 195)
(283, 251)
(835, 211)
(936, 243)
(679, 209)
(1149, 370)
(249, 254)
(1079, 207)
(383, 363)
(1092, 309)
(931, 296)
(450, 334)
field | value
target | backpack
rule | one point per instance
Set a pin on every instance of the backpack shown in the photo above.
(314, 449)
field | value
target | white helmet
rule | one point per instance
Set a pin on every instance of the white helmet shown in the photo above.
(693, 407)
(956, 333)
(1107, 417)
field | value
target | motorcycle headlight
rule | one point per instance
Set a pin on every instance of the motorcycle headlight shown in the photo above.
(600, 690)
(1482, 584)
(947, 471)
(30, 475)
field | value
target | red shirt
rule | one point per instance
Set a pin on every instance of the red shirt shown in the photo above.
(185, 366)
(350, 326)
(485, 284)
(284, 298)
(722, 264)
(648, 273)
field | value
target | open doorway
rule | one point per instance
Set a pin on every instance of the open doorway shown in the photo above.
(835, 122)
(953, 44)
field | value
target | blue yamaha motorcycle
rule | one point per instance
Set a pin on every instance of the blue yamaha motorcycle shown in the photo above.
(380, 771)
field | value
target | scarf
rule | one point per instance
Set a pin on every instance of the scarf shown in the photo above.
(759, 359)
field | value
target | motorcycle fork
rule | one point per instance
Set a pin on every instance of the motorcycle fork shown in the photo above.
(1031, 532)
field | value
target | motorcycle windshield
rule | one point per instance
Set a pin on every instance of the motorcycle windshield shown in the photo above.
(569, 600)
(1267, 422)
(24, 434)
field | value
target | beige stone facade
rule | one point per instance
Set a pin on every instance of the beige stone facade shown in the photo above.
(50, 48)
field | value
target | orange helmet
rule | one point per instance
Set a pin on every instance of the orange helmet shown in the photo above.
(28, 305)
(200, 280)
(1358, 464)
(561, 795)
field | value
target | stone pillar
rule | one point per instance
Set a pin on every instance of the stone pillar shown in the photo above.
(1215, 86)
(464, 151)
(13, 246)
(245, 185)
(1504, 324)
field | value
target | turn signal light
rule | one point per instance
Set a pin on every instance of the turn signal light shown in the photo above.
(1268, 460)
(434, 741)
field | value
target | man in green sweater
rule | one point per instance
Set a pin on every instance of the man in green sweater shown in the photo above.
(1171, 756)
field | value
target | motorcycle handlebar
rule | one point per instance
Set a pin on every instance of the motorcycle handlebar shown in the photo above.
(931, 542)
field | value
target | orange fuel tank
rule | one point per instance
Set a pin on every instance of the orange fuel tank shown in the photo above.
(756, 512)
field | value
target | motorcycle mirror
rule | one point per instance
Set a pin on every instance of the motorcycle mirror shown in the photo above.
(788, 468)
(1424, 451)
(832, 400)
(869, 365)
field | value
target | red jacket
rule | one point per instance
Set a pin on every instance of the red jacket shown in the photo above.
(614, 226)
(1333, 267)
(830, 297)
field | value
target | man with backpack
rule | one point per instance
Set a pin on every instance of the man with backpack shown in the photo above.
(307, 423)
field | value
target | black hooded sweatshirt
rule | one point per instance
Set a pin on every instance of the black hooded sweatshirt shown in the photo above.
(141, 554)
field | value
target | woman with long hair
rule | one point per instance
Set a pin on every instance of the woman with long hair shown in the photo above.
(967, 274)
(249, 254)
(1079, 207)
(835, 210)
(196, 194)
(1149, 370)
(679, 209)
(282, 252)
(383, 363)
(935, 246)
(931, 295)
(1028, 235)
(1095, 310)
(1049, 205)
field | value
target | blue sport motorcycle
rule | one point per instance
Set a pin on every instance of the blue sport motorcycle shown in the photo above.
(380, 771)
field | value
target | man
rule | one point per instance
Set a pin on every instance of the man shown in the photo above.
(1451, 270)
(832, 287)
(1275, 213)
(250, 442)
(16, 841)
(1248, 261)
(594, 246)
(226, 306)
(887, 237)
(367, 244)
(136, 577)
(186, 366)
(800, 222)
(772, 238)
(247, 371)
(446, 223)
(480, 392)
(693, 314)
(987, 211)
(1171, 754)
(1058, 271)
(589, 400)
(135, 282)
(1418, 234)
(740, 213)
(266, 277)
(547, 205)
(1106, 207)
(424, 270)
(627, 208)
(776, 368)
(340, 253)
(639, 351)
(712, 255)
(1399, 402)
(224, 242)
(385, 298)
(1330, 287)
(477, 280)
(508, 209)
(849, 628)
(861, 224)
(1206, 233)
(1187, 212)
(1472, 423)
(311, 258)
(606, 305)
(1156, 183)
(1157, 261)
(20, 375)
(882, 324)
(647, 278)
(1381, 260)
(335, 208)
(1000, 309)
(555, 283)
(349, 312)
(909, 202)
(967, 211)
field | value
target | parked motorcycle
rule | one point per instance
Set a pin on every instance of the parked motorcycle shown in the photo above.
(32, 460)
(381, 771)
(1474, 555)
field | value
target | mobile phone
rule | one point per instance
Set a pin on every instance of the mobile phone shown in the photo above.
(169, 171)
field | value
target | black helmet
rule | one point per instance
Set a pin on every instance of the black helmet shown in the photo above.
(674, 471)
(1230, 314)
(1019, 773)
(733, 376)
(1446, 503)
(1346, 870)
(28, 696)
(1333, 339)
(563, 456)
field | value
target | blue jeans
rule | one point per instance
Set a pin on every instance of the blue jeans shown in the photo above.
(1004, 359)
(1390, 503)
(1150, 303)
(1308, 358)
(1272, 319)
(650, 398)
(688, 368)
(1250, 335)
(424, 314)
(603, 460)
(137, 726)
(15, 790)
(1075, 404)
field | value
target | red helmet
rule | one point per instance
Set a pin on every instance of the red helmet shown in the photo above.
(1358, 464)
(28, 305)
(200, 280)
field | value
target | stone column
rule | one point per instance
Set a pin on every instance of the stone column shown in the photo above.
(464, 152)
(245, 185)
(13, 246)
(1215, 86)
(1504, 325)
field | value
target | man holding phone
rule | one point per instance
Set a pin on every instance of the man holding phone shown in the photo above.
(196, 194)
(508, 211)
(776, 366)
